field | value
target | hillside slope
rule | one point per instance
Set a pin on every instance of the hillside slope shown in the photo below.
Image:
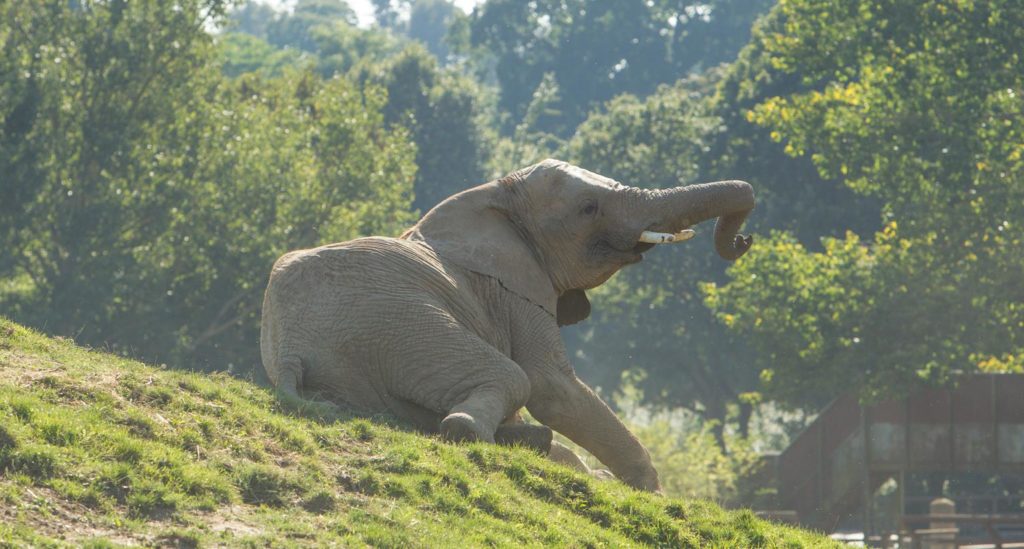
(99, 450)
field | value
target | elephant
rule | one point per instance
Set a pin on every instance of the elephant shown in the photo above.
(454, 325)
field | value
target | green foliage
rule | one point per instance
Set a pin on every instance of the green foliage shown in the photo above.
(252, 18)
(686, 452)
(917, 105)
(395, 487)
(343, 48)
(529, 143)
(597, 50)
(791, 194)
(128, 71)
(299, 29)
(244, 53)
(149, 215)
(321, 33)
(428, 22)
(917, 110)
(807, 300)
(446, 115)
(445, 112)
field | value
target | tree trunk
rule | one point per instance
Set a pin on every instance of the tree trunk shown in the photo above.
(746, 412)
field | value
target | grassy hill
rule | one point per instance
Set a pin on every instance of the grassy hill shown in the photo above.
(98, 450)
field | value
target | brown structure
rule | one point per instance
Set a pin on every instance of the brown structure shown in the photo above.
(831, 469)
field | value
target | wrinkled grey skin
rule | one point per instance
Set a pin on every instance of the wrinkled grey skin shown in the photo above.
(455, 325)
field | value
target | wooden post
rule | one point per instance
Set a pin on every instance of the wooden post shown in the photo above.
(937, 508)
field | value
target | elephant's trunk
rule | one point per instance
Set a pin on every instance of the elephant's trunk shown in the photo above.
(729, 201)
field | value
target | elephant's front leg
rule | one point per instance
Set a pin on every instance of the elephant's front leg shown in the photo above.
(561, 401)
(564, 403)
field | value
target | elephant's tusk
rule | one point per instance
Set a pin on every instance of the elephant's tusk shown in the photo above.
(651, 237)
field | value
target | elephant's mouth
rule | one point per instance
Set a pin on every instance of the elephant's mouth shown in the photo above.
(619, 252)
(627, 255)
(642, 247)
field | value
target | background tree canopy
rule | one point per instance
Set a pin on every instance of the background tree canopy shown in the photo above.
(147, 193)
(156, 158)
(918, 107)
(596, 50)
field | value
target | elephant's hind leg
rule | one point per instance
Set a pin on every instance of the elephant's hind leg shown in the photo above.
(457, 374)
(478, 415)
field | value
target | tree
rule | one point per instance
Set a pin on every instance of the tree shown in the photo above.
(149, 212)
(253, 18)
(343, 48)
(301, 163)
(299, 28)
(321, 33)
(386, 13)
(445, 113)
(427, 22)
(96, 97)
(242, 53)
(913, 105)
(791, 194)
(597, 50)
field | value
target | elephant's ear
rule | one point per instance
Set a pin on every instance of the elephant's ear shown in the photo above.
(474, 230)
(573, 307)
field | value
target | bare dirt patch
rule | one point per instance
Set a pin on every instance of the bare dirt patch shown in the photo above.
(47, 513)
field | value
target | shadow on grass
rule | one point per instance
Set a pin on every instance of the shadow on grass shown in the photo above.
(313, 405)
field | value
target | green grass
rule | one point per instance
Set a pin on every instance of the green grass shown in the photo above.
(97, 450)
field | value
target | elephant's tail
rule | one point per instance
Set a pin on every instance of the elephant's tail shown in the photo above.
(267, 335)
(283, 368)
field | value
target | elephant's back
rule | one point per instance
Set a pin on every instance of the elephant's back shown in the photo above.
(372, 280)
(374, 264)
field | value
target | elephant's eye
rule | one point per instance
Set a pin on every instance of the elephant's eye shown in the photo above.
(589, 208)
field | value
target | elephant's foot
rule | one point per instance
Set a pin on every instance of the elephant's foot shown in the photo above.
(537, 437)
(461, 427)
(644, 479)
(561, 453)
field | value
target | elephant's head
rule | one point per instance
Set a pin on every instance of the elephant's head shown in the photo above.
(552, 230)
